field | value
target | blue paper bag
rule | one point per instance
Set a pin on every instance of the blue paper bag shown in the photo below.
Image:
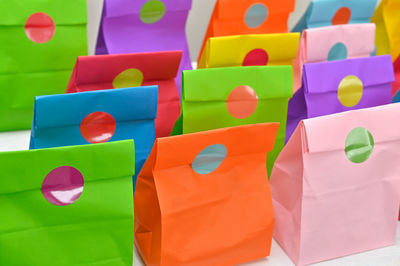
(96, 117)
(322, 13)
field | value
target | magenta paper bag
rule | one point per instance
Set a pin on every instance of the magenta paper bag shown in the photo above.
(134, 26)
(340, 86)
(336, 185)
(333, 43)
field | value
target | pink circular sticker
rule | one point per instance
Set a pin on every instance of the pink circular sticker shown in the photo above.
(40, 28)
(98, 127)
(256, 57)
(242, 102)
(63, 186)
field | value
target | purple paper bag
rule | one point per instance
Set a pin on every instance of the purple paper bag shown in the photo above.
(340, 86)
(135, 26)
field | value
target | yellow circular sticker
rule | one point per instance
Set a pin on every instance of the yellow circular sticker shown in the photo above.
(350, 91)
(132, 77)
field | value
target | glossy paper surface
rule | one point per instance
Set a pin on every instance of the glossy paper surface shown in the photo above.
(97, 116)
(325, 89)
(27, 54)
(333, 43)
(326, 206)
(143, 69)
(224, 217)
(232, 17)
(229, 51)
(322, 13)
(209, 100)
(97, 228)
(137, 26)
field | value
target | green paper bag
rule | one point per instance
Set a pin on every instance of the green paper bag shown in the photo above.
(39, 43)
(67, 206)
(234, 96)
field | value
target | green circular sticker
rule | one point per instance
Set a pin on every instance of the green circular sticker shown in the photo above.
(152, 11)
(359, 145)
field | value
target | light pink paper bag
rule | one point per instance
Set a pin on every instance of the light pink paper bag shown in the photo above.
(336, 185)
(333, 43)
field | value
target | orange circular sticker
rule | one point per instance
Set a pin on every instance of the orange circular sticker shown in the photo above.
(350, 91)
(256, 57)
(342, 16)
(98, 127)
(242, 102)
(132, 77)
(40, 28)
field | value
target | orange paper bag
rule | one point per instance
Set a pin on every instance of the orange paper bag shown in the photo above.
(204, 198)
(238, 17)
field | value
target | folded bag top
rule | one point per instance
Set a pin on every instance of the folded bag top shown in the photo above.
(250, 50)
(334, 12)
(347, 174)
(133, 70)
(58, 204)
(204, 199)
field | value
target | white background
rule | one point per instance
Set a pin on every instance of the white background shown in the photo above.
(197, 24)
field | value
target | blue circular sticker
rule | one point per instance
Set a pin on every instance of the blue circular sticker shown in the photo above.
(256, 15)
(338, 52)
(208, 160)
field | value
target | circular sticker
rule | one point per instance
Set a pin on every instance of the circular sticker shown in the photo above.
(359, 145)
(256, 57)
(208, 160)
(40, 28)
(342, 16)
(132, 77)
(152, 11)
(338, 52)
(98, 127)
(256, 15)
(63, 186)
(242, 102)
(350, 91)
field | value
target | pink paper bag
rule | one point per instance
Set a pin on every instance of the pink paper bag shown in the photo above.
(336, 185)
(333, 43)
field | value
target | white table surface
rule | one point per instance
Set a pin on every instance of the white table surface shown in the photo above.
(389, 256)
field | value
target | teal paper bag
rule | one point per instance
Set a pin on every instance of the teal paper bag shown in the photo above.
(67, 206)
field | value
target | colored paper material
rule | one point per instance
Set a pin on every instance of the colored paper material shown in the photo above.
(387, 22)
(137, 26)
(39, 41)
(204, 198)
(330, 188)
(340, 86)
(133, 70)
(322, 13)
(96, 117)
(232, 17)
(224, 97)
(250, 50)
(333, 43)
(94, 225)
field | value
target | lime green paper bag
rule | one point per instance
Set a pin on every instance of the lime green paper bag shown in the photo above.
(234, 96)
(39, 43)
(67, 206)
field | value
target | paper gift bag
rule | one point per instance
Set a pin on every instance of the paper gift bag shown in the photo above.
(225, 97)
(336, 187)
(335, 12)
(250, 50)
(204, 198)
(333, 43)
(96, 117)
(39, 41)
(136, 26)
(340, 86)
(232, 17)
(387, 22)
(67, 206)
(133, 70)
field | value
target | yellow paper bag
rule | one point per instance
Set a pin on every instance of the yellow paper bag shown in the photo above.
(250, 50)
